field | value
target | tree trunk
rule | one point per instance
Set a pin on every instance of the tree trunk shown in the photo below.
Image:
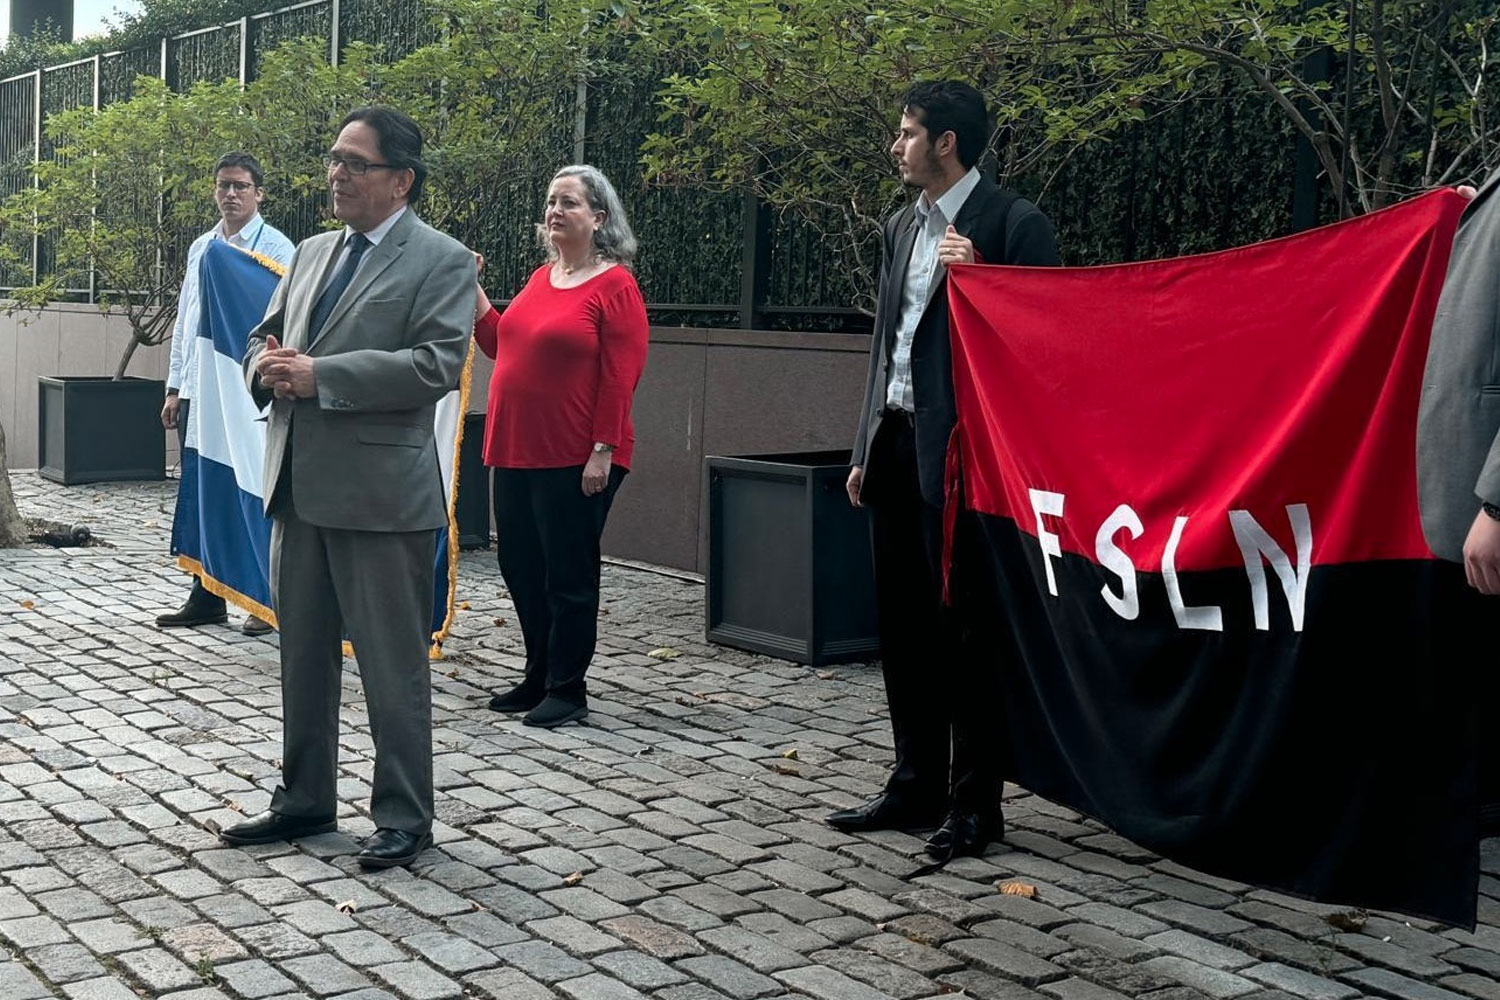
(12, 530)
(125, 359)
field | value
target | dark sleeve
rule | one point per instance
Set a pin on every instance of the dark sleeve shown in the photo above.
(862, 429)
(1029, 239)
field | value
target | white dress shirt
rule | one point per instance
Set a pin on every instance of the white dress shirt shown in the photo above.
(374, 236)
(931, 222)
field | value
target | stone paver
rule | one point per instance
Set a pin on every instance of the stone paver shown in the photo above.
(670, 849)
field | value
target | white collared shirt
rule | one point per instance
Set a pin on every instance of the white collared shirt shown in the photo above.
(257, 236)
(931, 222)
(374, 236)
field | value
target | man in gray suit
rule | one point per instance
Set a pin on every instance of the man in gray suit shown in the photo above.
(1458, 455)
(366, 332)
(1458, 427)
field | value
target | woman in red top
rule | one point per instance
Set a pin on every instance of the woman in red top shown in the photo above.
(568, 353)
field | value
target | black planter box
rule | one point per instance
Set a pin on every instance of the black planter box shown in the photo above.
(94, 429)
(471, 508)
(789, 570)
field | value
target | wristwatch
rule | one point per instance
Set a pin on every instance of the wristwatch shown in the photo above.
(1490, 510)
(601, 448)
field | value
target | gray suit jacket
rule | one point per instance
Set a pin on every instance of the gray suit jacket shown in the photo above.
(1458, 426)
(363, 456)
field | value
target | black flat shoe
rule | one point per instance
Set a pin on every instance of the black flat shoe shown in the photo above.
(194, 613)
(518, 699)
(271, 826)
(963, 835)
(553, 712)
(885, 813)
(388, 848)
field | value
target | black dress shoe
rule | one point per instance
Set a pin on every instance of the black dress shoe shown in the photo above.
(884, 813)
(520, 698)
(387, 848)
(553, 712)
(255, 626)
(195, 612)
(963, 835)
(271, 826)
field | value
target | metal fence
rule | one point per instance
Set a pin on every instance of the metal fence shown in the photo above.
(707, 258)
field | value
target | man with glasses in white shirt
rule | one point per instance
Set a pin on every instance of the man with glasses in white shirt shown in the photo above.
(238, 192)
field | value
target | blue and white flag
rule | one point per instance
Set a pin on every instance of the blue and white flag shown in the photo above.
(219, 530)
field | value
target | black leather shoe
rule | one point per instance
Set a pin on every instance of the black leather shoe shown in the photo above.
(518, 699)
(195, 612)
(255, 626)
(963, 835)
(884, 813)
(271, 826)
(553, 712)
(388, 848)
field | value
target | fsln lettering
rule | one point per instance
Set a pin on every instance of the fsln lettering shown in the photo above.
(1257, 549)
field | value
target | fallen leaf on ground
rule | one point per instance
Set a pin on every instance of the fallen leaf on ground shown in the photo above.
(499, 622)
(1023, 889)
(451, 673)
(573, 879)
(790, 754)
(347, 906)
(665, 653)
(825, 675)
(784, 769)
(1347, 920)
(234, 806)
(463, 605)
(28, 605)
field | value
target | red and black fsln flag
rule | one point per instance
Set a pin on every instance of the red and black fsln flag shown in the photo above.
(1213, 614)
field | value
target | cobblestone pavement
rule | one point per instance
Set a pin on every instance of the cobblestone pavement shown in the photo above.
(670, 849)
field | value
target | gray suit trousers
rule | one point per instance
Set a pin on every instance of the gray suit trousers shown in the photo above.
(379, 586)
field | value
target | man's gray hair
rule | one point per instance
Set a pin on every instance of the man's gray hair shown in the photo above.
(613, 240)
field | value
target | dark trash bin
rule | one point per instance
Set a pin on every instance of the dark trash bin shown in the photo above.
(789, 569)
(471, 509)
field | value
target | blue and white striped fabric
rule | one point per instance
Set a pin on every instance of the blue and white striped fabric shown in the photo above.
(219, 531)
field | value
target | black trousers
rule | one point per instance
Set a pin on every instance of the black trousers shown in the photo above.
(943, 701)
(547, 535)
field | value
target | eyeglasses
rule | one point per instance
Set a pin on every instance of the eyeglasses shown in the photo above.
(354, 165)
(240, 186)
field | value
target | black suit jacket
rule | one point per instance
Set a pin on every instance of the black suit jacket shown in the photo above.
(1005, 229)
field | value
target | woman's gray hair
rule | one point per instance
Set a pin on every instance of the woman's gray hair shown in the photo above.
(613, 240)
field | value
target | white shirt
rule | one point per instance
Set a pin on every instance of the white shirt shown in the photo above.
(256, 235)
(931, 222)
(374, 236)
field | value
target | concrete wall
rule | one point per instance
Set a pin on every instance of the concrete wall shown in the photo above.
(62, 340)
(705, 392)
(725, 392)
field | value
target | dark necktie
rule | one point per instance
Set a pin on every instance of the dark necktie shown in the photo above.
(340, 281)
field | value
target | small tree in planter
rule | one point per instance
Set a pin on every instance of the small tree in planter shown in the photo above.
(122, 195)
(114, 208)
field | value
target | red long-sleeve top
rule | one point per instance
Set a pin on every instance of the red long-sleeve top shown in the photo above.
(567, 361)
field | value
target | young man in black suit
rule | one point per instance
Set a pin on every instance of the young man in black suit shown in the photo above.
(943, 774)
